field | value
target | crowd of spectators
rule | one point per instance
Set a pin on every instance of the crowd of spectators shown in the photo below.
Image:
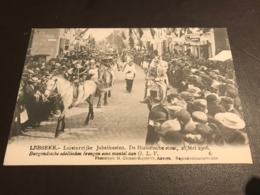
(203, 105)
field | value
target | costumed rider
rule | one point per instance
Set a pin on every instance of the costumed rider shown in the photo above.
(93, 71)
(156, 79)
(77, 76)
(104, 68)
(110, 69)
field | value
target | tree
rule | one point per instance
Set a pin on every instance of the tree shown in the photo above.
(116, 40)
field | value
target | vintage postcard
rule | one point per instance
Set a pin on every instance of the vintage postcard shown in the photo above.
(128, 96)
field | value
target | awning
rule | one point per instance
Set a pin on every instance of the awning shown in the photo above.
(222, 56)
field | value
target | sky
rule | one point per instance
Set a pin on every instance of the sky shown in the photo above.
(99, 33)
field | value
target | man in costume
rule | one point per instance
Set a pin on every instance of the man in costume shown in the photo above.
(77, 77)
(130, 73)
(156, 78)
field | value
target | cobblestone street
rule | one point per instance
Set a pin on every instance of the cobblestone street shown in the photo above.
(124, 119)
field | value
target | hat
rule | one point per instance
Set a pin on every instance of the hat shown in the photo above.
(30, 71)
(46, 73)
(34, 79)
(227, 100)
(78, 65)
(171, 125)
(201, 104)
(195, 77)
(230, 81)
(212, 98)
(57, 65)
(159, 116)
(193, 70)
(173, 109)
(190, 127)
(198, 72)
(180, 103)
(173, 138)
(183, 116)
(199, 117)
(230, 120)
(204, 129)
(221, 78)
(206, 93)
(215, 84)
(195, 91)
(215, 71)
(214, 109)
(187, 96)
(232, 91)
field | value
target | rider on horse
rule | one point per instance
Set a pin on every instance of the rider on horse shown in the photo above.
(93, 71)
(106, 70)
(156, 78)
(78, 76)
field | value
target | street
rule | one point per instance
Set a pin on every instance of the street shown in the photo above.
(123, 119)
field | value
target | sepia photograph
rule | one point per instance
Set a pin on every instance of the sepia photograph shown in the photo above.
(112, 96)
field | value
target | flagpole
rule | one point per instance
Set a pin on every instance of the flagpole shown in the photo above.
(138, 38)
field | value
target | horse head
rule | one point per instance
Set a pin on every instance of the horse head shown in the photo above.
(51, 86)
(105, 76)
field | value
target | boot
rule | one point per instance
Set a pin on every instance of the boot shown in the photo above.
(75, 96)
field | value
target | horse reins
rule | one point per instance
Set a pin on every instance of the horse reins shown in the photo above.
(54, 86)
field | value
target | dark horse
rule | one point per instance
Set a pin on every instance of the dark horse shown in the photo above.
(64, 89)
(106, 79)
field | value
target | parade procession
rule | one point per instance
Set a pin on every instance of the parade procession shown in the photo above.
(153, 86)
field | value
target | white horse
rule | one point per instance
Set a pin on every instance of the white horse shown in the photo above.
(64, 89)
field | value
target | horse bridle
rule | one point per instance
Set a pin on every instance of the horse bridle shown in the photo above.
(54, 86)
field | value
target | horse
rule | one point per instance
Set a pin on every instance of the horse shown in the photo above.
(64, 89)
(106, 79)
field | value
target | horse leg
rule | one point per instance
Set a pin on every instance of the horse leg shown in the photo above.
(59, 125)
(109, 93)
(105, 98)
(90, 108)
(91, 99)
(99, 100)
(87, 119)
(61, 122)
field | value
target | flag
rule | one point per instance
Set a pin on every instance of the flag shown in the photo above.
(83, 32)
(189, 31)
(183, 31)
(80, 35)
(152, 32)
(140, 31)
